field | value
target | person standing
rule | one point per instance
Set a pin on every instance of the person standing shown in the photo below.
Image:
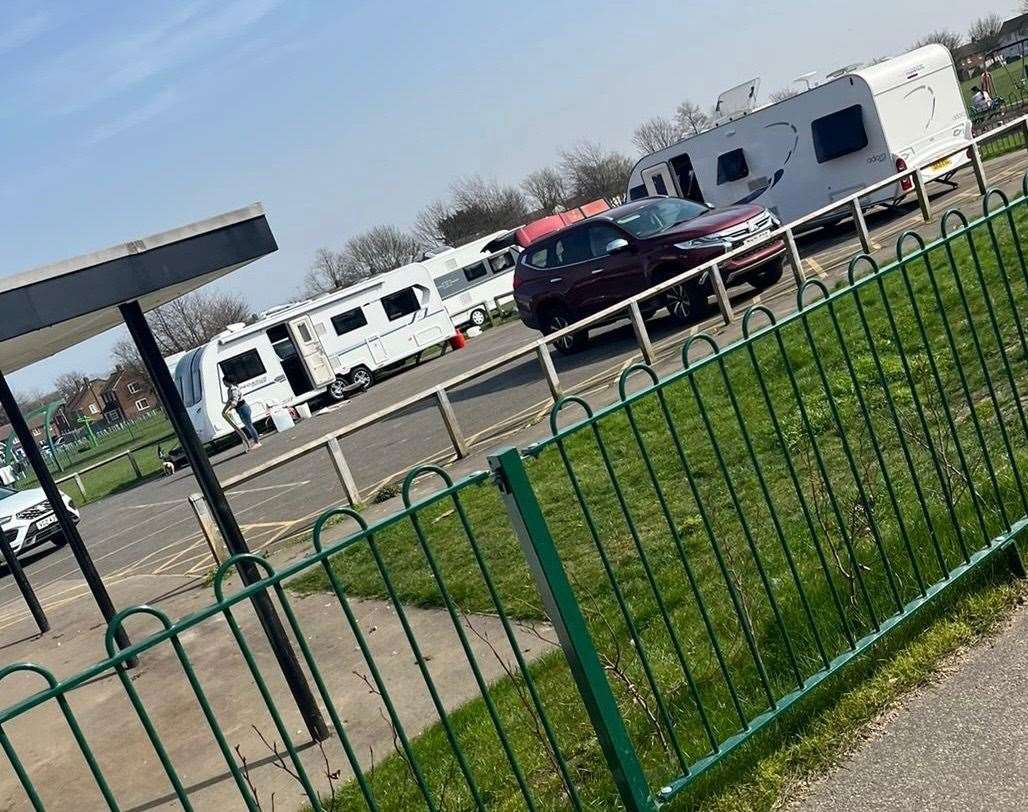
(236, 403)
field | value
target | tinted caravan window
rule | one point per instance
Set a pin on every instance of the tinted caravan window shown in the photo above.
(731, 166)
(243, 367)
(348, 321)
(400, 304)
(839, 134)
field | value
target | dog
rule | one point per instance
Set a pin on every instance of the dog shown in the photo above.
(166, 464)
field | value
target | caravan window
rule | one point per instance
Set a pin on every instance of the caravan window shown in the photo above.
(502, 262)
(637, 192)
(839, 133)
(400, 304)
(476, 271)
(349, 321)
(731, 166)
(243, 367)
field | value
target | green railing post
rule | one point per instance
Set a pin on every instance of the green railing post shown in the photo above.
(564, 612)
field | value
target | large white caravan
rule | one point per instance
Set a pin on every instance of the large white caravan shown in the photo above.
(470, 277)
(332, 344)
(803, 153)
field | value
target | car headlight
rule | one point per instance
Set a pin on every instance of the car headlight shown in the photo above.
(707, 241)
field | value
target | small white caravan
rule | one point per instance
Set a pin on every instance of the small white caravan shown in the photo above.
(821, 145)
(469, 278)
(333, 344)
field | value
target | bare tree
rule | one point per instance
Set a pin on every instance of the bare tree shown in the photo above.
(546, 188)
(782, 94)
(125, 355)
(691, 118)
(478, 206)
(950, 40)
(69, 383)
(426, 228)
(380, 249)
(656, 133)
(985, 29)
(593, 172)
(194, 319)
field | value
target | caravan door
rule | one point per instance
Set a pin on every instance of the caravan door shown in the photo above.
(377, 350)
(313, 354)
(658, 180)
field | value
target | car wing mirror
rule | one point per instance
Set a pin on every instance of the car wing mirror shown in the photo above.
(618, 245)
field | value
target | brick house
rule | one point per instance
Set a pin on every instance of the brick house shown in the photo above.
(128, 394)
(86, 402)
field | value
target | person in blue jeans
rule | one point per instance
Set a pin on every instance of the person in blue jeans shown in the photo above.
(235, 403)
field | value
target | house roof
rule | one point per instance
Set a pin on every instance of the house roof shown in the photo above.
(1014, 25)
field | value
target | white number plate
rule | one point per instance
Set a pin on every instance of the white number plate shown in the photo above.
(46, 522)
(760, 236)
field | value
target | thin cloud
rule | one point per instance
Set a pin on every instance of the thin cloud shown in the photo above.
(151, 109)
(99, 71)
(25, 30)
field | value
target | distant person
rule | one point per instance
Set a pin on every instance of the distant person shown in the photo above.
(981, 102)
(235, 403)
(986, 84)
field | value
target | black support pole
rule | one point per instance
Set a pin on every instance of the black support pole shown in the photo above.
(23, 585)
(64, 517)
(169, 396)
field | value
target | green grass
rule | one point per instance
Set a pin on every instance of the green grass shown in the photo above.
(117, 475)
(962, 468)
(1008, 79)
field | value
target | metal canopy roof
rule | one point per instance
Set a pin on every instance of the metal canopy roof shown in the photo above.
(49, 309)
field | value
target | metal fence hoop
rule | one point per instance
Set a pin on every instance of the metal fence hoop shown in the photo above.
(705, 338)
(567, 400)
(646, 369)
(753, 310)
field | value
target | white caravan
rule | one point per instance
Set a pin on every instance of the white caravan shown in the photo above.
(332, 344)
(803, 153)
(469, 279)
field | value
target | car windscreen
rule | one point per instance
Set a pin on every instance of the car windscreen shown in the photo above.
(655, 217)
(5, 492)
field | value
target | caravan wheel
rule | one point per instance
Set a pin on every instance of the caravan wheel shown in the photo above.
(361, 377)
(478, 317)
(337, 389)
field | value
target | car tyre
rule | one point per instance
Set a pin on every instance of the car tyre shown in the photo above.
(478, 317)
(558, 319)
(768, 275)
(686, 302)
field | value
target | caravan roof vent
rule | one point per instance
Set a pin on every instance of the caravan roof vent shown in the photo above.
(736, 101)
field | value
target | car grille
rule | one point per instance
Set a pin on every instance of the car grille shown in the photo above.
(747, 229)
(34, 512)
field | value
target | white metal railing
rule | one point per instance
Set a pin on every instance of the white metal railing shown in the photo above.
(848, 206)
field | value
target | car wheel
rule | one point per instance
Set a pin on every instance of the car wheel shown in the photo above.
(362, 377)
(768, 275)
(478, 317)
(557, 320)
(685, 302)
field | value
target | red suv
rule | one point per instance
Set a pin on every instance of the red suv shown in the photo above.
(605, 259)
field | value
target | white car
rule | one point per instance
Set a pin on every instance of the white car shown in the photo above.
(27, 520)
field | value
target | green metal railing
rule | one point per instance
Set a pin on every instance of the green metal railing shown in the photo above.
(709, 550)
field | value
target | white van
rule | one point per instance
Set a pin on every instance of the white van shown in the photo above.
(333, 344)
(469, 278)
(803, 153)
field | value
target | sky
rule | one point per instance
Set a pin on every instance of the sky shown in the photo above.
(119, 120)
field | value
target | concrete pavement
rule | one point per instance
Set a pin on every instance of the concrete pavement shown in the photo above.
(959, 744)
